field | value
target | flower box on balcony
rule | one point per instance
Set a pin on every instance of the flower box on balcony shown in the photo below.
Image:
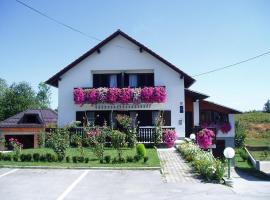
(156, 94)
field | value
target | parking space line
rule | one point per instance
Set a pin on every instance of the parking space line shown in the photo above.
(68, 190)
(9, 172)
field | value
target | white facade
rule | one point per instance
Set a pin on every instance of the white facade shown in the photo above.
(113, 57)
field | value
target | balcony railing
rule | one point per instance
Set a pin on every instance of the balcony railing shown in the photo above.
(146, 134)
(157, 94)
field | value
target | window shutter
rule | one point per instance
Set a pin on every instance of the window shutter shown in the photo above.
(167, 117)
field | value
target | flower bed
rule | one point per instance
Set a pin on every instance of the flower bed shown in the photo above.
(203, 162)
(120, 95)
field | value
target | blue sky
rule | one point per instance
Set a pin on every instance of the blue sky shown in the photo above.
(196, 36)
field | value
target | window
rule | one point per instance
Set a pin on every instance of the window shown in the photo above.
(133, 80)
(167, 117)
(210, 116)
(113, 80)
(30, 119)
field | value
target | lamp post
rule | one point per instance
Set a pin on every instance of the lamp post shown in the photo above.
(192, 137)
(229, 154)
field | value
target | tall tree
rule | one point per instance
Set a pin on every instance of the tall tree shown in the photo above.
(44, 95)
(17, 98)
(3, 88)
(267, 106)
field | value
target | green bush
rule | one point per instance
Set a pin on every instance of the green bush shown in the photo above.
(80, 159)
(7, 157)
(145, 159)
(67, 159)
(115, 160)
(240, 134)
(1, 155)
(43, 158)
(203, 162)
(118, 142)
(16, 157)
(26, 157)
(107, 159)
(86, 160)
(141, 151)
(36, 157)
(243, 154)
(137, 158)
(74, 159)
(121, 160)
(50, 157)
(129, 159)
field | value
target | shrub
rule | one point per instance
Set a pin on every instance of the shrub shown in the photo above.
(67, 159)
(203, 162)
(6, 157)
(141, 151)
(16, 145)
(145, 159)
(169, 137)
(1, 156)
(60, 142)
(101, 161)
(15, 157)
(50, 157)
(121, 160)
(74, 159)
(107, 159)
(26, 157)
(115, 160)
(240, 134)
(137, 158)
(86, 160)
(129, 159)
(75, 140)
(42, 139)
(205, 137)
(36, 157)
(97, 141)
(118, 142)
(43, 158)
(243, 154)
(80, 159)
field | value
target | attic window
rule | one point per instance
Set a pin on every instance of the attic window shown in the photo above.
(30, 119)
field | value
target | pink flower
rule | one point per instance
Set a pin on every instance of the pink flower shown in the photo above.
(102, 94)
(147, 94)
(205, 137)
(94, 133)
(79, 96)
(225, 127)
(169, 137)
(113, 95)
(125, 95)
(93, 96)
(159, 95)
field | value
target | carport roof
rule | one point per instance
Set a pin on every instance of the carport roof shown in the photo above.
(45, 117)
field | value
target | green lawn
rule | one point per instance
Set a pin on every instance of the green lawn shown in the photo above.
(94, 162)
(258, 142)
(261, 155)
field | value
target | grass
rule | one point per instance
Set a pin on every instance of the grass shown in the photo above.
(94, 162)
(254, 117)
(256, 142)
(261, 155)
(246, 167)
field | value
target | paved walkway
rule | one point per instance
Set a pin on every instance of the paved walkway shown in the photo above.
(175, 169)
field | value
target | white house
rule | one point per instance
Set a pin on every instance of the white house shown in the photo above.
(120, 61)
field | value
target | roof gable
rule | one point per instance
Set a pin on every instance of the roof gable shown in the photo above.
(54, 79)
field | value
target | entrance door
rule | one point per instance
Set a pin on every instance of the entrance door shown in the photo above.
(189, 123)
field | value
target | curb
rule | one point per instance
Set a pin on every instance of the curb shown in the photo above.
(93, 168)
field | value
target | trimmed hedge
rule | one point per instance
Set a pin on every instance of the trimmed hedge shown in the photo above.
(203, 162)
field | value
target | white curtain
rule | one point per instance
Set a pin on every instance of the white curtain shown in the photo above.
(133, 80)
(113, 80)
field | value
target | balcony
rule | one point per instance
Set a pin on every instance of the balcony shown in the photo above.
(120, 96)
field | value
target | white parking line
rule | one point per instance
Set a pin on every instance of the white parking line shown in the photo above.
(68, 190)
(9, 172)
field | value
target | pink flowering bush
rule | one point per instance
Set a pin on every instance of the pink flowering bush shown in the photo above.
(147, 94)
(169, 137)
(93, 96)
(16, 145)
(159, 95)
(79, 96)
(112, 95)
(120, 95)
(125, 95)
(225, 127)
(205, 137)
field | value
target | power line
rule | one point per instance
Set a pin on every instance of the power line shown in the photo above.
(232, 65)
(66, 25)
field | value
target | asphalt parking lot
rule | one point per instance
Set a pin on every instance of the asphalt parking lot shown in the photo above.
(108, 184)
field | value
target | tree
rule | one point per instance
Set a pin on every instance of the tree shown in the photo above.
(17, 98)
(44, 95)
(267, 106)
(3, 88)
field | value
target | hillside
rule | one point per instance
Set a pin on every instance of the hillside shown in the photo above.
(257, 125)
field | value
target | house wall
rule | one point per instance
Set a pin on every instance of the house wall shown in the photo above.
(112, 57)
